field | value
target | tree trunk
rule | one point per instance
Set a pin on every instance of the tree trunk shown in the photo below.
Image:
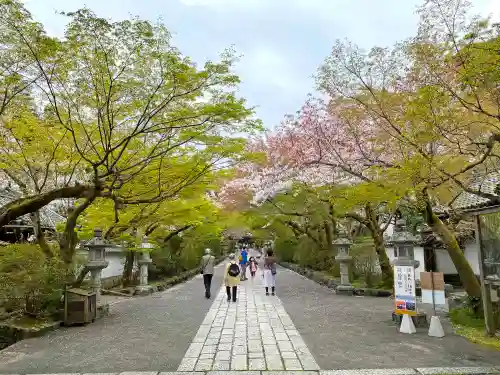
(467, 277)
(128, 269)
(69, 238)
(334, 229)
(383, 259)
(378, 239)
(323, 239)
(329, 236)
(23, 206)
(39, 235)
(79, 280)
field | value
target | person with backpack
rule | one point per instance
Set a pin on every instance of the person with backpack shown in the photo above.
(269, 274)
(207, 270)
(243, 264)
(231, 279)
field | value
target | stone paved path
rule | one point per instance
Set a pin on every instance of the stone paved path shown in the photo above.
(305, 328)
(255, 333)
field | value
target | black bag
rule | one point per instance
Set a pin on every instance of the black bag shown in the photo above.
(233, 270)
(203, 267)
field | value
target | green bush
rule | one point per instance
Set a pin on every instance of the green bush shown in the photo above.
(30, 281)
(469, 324)
(181, 254)
(364, 259)
(285, 249)
(465, 316)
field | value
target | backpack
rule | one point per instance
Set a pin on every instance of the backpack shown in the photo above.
(233, 270)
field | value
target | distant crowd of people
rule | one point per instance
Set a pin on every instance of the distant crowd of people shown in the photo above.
(236, 270)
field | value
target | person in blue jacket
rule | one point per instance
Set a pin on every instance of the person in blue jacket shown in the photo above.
(243, 263)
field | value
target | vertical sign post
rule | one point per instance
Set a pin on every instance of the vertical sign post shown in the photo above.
(404, 288)
(405, 296)
(404, 276)
(432, 284)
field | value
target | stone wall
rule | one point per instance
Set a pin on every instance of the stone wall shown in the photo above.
(111, 282)
(332, 282)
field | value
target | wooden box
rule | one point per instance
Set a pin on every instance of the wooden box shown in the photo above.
(80, 306)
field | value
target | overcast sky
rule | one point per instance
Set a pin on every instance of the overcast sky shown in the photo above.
(282, 41)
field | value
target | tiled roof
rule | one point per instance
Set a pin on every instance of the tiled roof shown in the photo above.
(48, 217)
(486, 184)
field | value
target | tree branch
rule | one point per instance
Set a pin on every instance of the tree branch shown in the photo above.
(26, 205)
(176, 232)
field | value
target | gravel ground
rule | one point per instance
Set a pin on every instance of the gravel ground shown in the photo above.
(344, 332)
(153, 333)
(144, 333)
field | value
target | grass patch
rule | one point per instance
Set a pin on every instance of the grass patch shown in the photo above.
(358, 283)
(27, 321)
(477, 336)
(471, 327)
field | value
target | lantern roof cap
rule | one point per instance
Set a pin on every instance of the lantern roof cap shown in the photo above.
(401, 235)
(97, 240)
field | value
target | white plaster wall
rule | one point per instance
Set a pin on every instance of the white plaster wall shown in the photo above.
(472, 255)
(443, 260)
(445, 264)
(389, 231)
(116, 263)
(418, 254)
(115, 266)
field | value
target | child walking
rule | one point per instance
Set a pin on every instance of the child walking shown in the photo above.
(231, 279)
(253, 266)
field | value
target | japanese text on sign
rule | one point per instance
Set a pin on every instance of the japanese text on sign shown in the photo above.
(404, 288)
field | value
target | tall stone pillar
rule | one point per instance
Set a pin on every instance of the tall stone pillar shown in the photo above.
(144, 260)
(96, 262)
(342, 245)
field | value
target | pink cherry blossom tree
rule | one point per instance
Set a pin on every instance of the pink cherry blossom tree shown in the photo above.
(327, 145)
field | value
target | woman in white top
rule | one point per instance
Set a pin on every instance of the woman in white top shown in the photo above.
(269, 272)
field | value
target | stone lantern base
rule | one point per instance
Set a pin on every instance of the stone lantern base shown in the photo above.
(346, 290)
(102, 310)
(143, 290)
(419, 320)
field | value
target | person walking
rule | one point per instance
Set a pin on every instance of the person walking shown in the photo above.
(243, 263)
(207, 270)
(231, 279)
(253, 266)
(269, 274)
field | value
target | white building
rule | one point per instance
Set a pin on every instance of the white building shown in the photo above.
(433, 257)
(112, 274)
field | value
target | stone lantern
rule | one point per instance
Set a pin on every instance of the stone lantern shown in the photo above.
(144, 260)
(96, 261)
(404, 243)
(342, 244)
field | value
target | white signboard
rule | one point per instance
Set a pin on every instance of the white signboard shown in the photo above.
(404, 289)
(439, 297)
